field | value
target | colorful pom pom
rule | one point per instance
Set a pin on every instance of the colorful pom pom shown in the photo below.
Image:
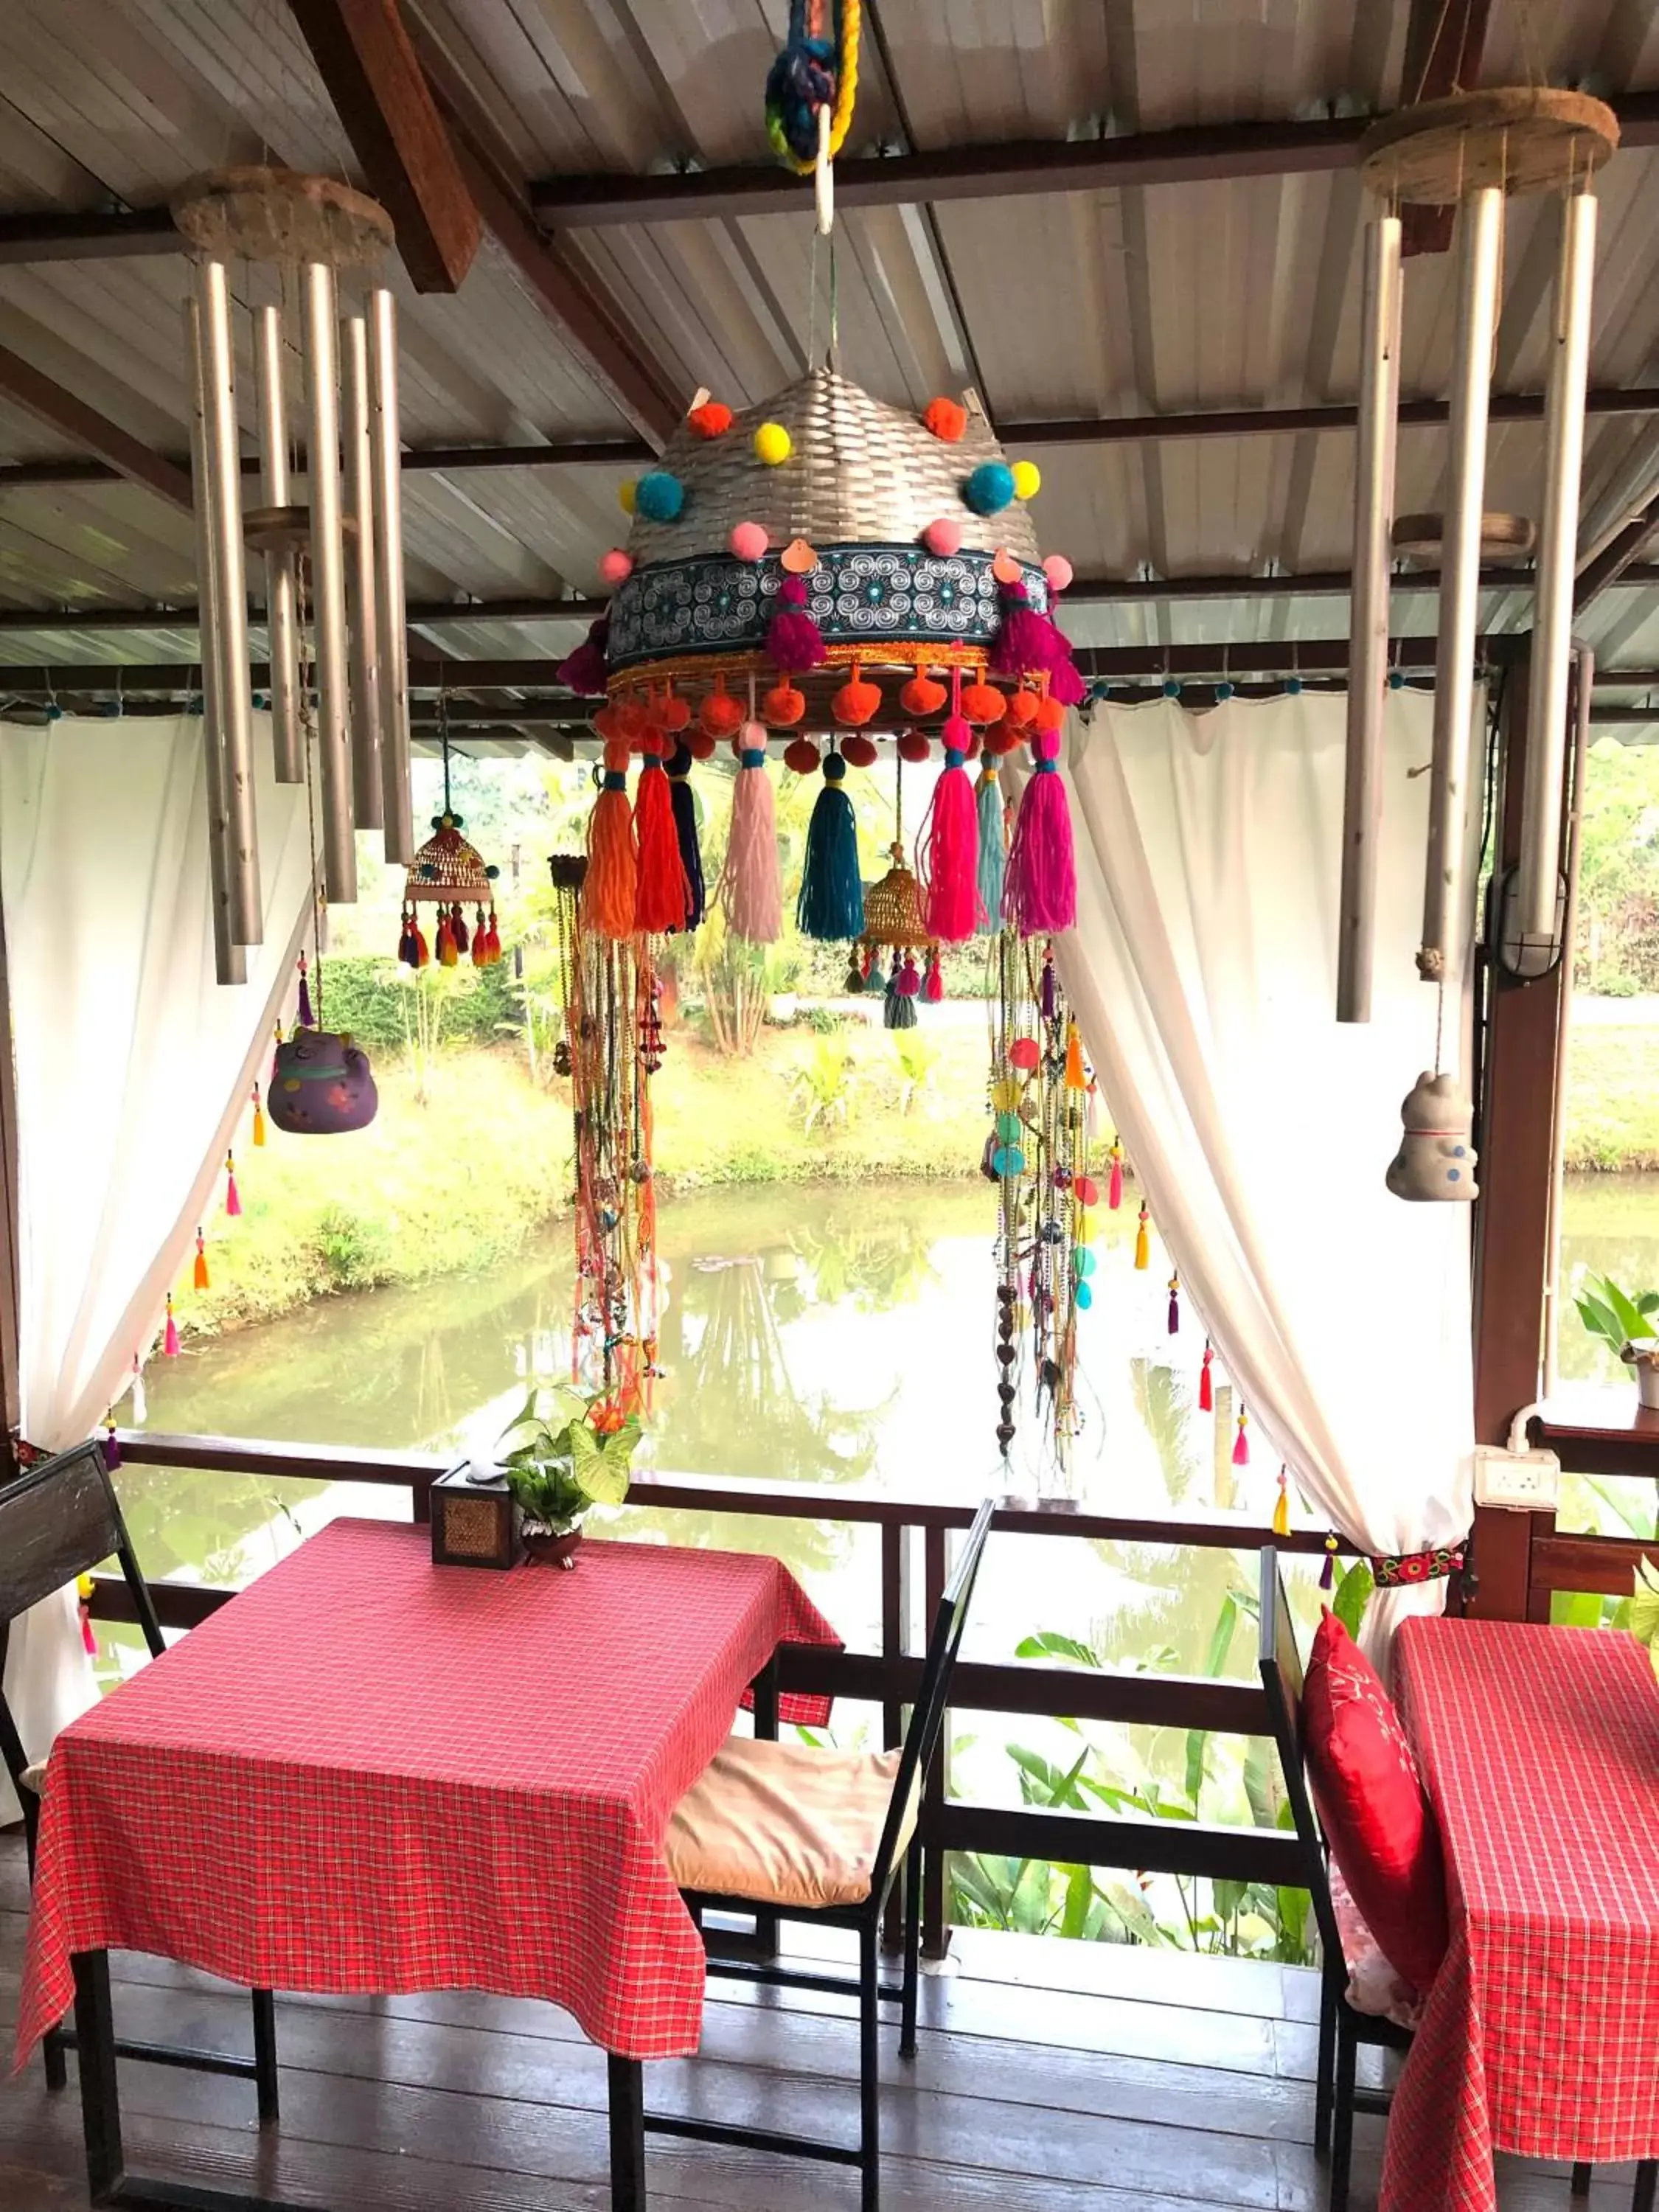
(983, 704)
(712, 420)
(946, 418)
(616, 566)
(856, 701)
(913, 747)
(659, 495)
(748, 541)
(860, 752)
(1028, 479)
(722, 715)
(922, 694)
(800, 756)
(783, 706)
(943, 537)
(1059, 571)
(989, 489)
(626, 495)
(773, 444)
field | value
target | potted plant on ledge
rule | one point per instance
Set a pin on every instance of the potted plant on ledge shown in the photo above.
(1627, 1325)
(559, 1463)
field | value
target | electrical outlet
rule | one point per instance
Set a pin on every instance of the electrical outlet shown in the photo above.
(1526, 1482)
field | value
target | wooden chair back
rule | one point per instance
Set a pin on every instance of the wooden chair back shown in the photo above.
(927, 1715)
(1281, 1680)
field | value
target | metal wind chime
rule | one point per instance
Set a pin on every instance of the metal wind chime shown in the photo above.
(1470, 151)
(333, 562)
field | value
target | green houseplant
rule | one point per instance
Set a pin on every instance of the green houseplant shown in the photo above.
(559, 1462)
(1627, 1325)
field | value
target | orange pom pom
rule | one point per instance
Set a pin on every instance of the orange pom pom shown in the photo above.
(922, 694)
(859, 752)
(1021, 709)
(946, 418)
(673, 714)
(603, 720)
(800, 755)
(1050, 716)
(712, 420)
(783, 706)
(1001, 739)
(857, 701)
(982, 704)
(720, 714)
(913, 746)
(699, 745)
(628, 719)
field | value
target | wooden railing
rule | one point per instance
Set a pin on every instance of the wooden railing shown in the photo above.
(1591, 1431)
(888, 1677)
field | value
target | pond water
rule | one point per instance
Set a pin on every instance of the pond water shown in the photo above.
(822, 1336)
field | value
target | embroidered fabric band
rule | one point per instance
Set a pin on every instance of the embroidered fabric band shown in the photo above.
(1396, 1569)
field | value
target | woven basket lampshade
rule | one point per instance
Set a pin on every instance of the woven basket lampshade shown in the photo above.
(877, 516)
(448, 869)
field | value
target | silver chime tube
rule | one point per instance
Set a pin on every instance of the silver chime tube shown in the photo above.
(362, 587)
(1368, 625)
(1479, 247)
(1558, 550)
(281, 595)
(229, 961)
(223, 501)
(328, 581)
(386, 459)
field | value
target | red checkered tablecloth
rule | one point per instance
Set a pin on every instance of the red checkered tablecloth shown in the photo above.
(1540, 1749)
(371, 1774)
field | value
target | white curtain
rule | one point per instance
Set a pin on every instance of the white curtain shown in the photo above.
(133, 1066)
(1203, 971)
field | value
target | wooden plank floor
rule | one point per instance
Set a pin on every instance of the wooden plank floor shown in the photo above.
(1052, 2077)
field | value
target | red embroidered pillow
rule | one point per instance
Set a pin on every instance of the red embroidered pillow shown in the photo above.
(1380, 1825)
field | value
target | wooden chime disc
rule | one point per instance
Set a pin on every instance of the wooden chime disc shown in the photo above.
(1524, 139)
(262, 214)
(1502, 536)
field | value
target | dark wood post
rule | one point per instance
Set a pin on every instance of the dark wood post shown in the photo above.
(10, 1355)
(1512, 1215)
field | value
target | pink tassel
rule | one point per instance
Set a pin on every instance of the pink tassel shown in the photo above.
(1114, 1181)
(947, 853)
(1039, 894)
(933, 989)
(1027, 643)
(751, 892)
(88, 1640)
(1241, 1440)
(170, 1339)
(585, 671)
(794, 642)
(1206, 1387)
(233, 1202)
(1065, 684)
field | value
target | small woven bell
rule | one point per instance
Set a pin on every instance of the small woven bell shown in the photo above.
(892, 908)
(452, 873)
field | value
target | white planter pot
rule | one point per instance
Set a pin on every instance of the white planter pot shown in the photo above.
(1646, 1365)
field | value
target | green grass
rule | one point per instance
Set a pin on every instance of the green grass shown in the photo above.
(1612, 1097)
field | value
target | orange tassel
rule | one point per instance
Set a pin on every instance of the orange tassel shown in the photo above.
(611, 890)
(1075, 1077)
(201, 1274)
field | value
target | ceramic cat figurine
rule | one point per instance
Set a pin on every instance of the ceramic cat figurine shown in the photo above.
(1436, 1159)
(320, 1085)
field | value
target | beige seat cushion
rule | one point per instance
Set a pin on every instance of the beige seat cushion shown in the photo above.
(785, 1823)
(35, 1777)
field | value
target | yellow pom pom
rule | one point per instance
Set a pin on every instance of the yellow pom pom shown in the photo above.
(625, 496)
(1028, 480)
(773, 444)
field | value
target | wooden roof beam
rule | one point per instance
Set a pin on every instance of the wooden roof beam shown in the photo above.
(380, 93)
(72, 236)
(1444, 41)
(1617, 560)
(37, 394)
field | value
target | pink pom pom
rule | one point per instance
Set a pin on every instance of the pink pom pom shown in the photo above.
(794, 642)
(748, 541)
(1039, 892)
(1059, 571)
(615, 567)
(585, 670)
(943, 537)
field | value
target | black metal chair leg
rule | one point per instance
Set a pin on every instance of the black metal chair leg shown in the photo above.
(1580, 2185)
(1342, 2117)
(1329, 2002)
(1647, 2186)
(264, 2056)
(912, 1951)
(52, 2054)
(869, 2074)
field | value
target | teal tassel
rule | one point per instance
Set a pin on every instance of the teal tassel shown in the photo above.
(831, 903)
(993, 853)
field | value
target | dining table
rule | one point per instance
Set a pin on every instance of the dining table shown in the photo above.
(369, 1774)
(1539, 1750)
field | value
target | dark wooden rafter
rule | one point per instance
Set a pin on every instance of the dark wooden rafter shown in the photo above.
(1444, 41)
(380, 93)
(1199, 154)
(646, 393)
(38, 395)
(1619, 560)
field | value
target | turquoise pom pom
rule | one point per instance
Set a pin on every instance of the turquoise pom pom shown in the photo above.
(659, 496)
(990, 488)
(1084, 1262)
(1008, 1127)
(1086, 1297)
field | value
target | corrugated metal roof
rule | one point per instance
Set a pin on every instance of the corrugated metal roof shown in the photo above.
(1234, 295)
